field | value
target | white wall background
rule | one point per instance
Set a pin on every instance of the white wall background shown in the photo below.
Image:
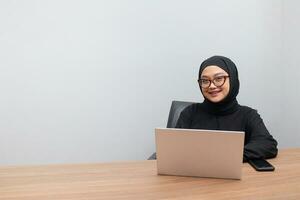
(88, 81)
(290, 69)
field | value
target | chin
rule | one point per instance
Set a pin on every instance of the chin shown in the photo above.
(214, 100)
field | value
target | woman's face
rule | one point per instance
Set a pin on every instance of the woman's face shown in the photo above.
(216, 76)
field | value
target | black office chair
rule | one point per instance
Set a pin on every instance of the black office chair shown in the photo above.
(175, 110)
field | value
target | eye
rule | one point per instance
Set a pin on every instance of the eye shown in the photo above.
(205, 81)
(219, 79)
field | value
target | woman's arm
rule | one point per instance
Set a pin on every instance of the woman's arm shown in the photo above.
(259, 142)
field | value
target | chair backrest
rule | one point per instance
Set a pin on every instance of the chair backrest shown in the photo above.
(176, 108)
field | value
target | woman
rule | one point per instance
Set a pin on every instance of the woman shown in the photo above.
(219, 85)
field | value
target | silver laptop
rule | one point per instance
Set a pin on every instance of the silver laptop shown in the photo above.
(201, 153)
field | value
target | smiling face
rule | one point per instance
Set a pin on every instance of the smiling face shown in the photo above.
(216, 76)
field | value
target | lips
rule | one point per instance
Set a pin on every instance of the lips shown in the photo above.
(214, 93)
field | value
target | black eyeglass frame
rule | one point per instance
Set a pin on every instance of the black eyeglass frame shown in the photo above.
(212, 81)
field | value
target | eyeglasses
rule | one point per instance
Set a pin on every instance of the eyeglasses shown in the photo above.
(217, 81)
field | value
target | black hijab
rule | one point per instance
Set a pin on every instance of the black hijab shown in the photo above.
(229, 104)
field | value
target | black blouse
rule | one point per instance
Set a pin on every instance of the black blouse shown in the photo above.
(258, 141)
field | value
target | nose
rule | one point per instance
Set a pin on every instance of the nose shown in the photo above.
(212, 85)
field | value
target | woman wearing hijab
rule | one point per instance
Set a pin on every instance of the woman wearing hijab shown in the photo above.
(219, 85)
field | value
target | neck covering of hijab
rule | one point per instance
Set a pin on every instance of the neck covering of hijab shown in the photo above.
(229, 104)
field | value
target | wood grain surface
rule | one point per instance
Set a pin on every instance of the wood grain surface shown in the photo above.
(139, 180)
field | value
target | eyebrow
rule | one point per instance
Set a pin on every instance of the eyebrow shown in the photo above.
(215, 75)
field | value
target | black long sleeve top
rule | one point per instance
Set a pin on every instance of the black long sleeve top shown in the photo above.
(258, 141)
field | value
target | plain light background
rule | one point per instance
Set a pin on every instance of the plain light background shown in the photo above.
(88, 81)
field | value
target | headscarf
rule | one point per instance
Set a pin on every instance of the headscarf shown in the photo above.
(229, 104)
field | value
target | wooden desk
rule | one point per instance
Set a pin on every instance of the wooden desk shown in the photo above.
(138, 180)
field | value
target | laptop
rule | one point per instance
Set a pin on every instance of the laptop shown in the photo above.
(199, 153)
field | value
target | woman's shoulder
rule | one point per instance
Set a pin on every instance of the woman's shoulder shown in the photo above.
(194, 107)
(247, 110)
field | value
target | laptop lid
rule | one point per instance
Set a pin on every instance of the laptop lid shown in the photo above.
(201, 153)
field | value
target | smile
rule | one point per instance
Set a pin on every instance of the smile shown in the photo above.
(214, 93)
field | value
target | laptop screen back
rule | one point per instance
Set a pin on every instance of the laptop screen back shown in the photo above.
(203, 153)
